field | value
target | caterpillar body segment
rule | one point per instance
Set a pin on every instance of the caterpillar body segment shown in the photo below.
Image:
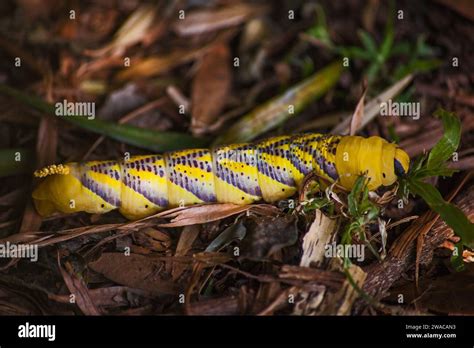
(269, 170)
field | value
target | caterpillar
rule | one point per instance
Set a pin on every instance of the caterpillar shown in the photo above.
(270, 170)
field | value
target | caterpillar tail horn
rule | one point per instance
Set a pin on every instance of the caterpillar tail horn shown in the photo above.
(61, 169)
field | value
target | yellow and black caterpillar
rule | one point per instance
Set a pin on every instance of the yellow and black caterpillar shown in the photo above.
(268, 170)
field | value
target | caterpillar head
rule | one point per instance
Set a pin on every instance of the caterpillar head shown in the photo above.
(382, 162)
(62, 191)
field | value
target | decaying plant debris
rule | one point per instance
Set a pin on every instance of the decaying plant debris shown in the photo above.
(180, 74)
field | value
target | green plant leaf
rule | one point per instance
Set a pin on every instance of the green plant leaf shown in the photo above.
(386, 46)
(320, 29)
(368, 42)
(452, 215)
(355, 198)
(353, 52)
(449, 143)
(141, 137)
(416, 65)
(434, 165)
(402, 48)
(362, 212)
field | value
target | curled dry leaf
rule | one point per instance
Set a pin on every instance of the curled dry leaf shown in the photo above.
(203, 21)
(210, 87)
(131, 32)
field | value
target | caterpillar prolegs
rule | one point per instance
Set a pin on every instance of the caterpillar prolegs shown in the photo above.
(269, 170)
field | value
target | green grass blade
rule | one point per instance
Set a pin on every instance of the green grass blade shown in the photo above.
(276, 111)
(449, 143)
(386, 46)
(368, 42)
(140, 137)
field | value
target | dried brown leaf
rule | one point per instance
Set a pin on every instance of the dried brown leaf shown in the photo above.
(112, 296)
(358, 115)
(156, 65)
(135, 271)
(152, 240)
(463, 7)
(200, 214)
(211, 87)
(78, 288)
(49, 238)
(185, 242)
(45, 154)
(203, 21)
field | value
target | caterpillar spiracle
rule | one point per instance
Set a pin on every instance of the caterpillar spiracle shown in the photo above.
(269, 170)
